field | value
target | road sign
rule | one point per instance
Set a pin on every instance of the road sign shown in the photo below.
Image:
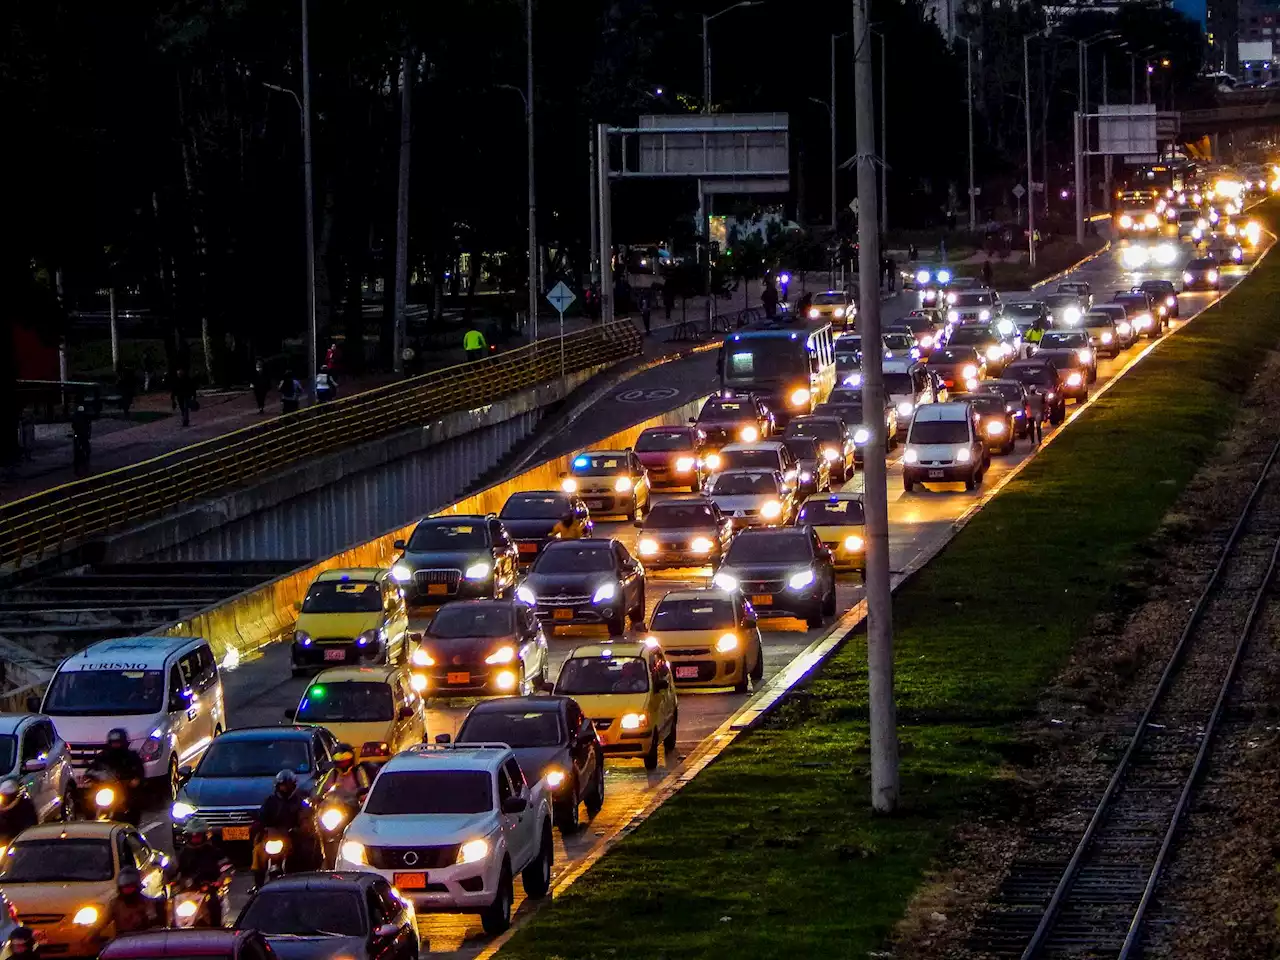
(853, 204)
(560, 297)
(1037, 186)
(1019, 191)
(975, 191)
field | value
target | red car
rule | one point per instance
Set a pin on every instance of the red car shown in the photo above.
(195, 944)
(673, 456)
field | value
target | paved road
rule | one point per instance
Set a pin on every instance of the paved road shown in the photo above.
(258, 692)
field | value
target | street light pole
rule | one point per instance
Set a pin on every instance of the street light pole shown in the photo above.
(884, 144)
(706, 48)
(968, 86)
(1031, 207)
(308, 189)
(832, 107)
(534, 286)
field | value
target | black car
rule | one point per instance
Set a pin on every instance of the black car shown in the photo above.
(995, 420)
(732, 418)
(485, 648)
(835, 435)
(987, 340)
(1202, 274)
(684, 532)
(1070, 348)
(814, 470)
(456, 558)
(956, 366)
(1042, 376)
(586, 582)
(327, 916)
(1025, 313)
(1165, 295)
(784, 572)
(1014, 394)
(553, 739)
(1141, 312)
(530, 516)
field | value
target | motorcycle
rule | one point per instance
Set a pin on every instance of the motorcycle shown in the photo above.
(276, 845)
(105, 798)
(334, 817)
(193, 904)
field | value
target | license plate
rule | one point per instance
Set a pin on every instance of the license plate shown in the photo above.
(686, 673)
(935, 474)
(562, 613)
(235, 833)
(595, 504)
(410, 881)
(528, 548)
(762, 600)
(462, 677)
(437, 589)
(335, 654)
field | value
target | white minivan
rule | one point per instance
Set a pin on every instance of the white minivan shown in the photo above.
(165, 692)
(944, 445)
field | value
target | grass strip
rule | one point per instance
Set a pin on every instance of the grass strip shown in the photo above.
(773, 850)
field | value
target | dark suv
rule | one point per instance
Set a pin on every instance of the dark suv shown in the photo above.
(456, 557)
(786, 572)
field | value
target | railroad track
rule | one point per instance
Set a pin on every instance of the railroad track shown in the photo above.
(1086, 894)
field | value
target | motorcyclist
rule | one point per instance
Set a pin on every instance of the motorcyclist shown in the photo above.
(131, 912)
(353, 781)
(126, 767)
(284, 811)
(17, 812)
(201, 862)
(23, 943)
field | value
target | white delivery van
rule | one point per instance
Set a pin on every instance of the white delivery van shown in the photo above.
(165, 692)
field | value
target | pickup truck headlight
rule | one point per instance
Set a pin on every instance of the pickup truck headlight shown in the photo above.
(421, 658)
(910, 456)
(853, 543)
(353, 852)
(799, 397)
(861, 435)
(906, 408)
(401, 574)
(554, 778)
(963, 455)
(953, 315)
(984, 314)
(749, 434)
(994, 353)
(969, 371)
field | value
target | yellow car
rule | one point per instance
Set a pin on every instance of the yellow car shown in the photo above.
(610, 482)
(841, 523)
(61, 880)
(378, 710)
(626, 690)
(710, 638)
(355, 616)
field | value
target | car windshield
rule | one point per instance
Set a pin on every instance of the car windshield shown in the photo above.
(227, 757)
(938, 431)
(969, 336)
(1040, 376)
(1057, 301)
(958, 355)
(1071, 288)
(58, 860)
(975, 299)
(472, 620)
(699, 614)
(803, 448)
(1157, 286)
(515, 728)
(343, 596)
(921, 324)
(8, 752)
(416, 792)
(783, 546)
(662, 441)
(828, 298)
(832, 512)
(846, 395)
(573, 558)
(732, 459)
(1063, 340)
(1028, 310)
(986, 406)
(821, 429)
(898, 383)
(675, 515)
(432, 536)
(349, 701)
(741, 484)
(1203, 264)
(722, 409)
(585, 676)
(899, 341)
(535, 506)
(847, 360)
(768, 359)
(303, 913)
(600, 464)
(1098, 320)
(1007, 391)
(104, 693)
(850, 411)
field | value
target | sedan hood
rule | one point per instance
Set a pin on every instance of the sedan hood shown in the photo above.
(679, 533)
(318, 948)
(408, 830)
(93, 729)
(732, 503)
(536, 529)
(568, 584)
(463, 649)
(763, 571)
(534, 761)
(456, 559)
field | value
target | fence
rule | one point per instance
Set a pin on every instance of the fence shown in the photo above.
(48, 522)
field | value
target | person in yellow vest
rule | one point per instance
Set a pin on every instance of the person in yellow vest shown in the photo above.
(474, 343)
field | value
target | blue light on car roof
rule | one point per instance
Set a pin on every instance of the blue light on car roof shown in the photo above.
(833, 500)
(793, 336)
(580, 461)
(606, 653)
(736, 337)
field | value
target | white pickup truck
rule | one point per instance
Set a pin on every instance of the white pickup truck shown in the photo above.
(450, 825)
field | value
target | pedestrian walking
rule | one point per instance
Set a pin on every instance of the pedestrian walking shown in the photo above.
(184, 394)
(986, 273)
(326, 386)
(290, 393)
(769, 299)
(332, 357)
(261, 385)
(81, 434)
(148, 371)
(474, 343)
(646, 311)
(668, 298)
(891, 267)
(1035, 413)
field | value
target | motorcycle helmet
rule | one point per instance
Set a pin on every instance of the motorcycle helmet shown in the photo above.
(118, 739)
(344, 757)
(286, 783)
(22, 941)
(197, 831)
(128, 882)
(10, 794)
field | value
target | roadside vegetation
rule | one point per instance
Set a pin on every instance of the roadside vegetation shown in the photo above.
(773, 850)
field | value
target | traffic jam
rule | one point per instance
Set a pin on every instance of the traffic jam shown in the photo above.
(442, 736)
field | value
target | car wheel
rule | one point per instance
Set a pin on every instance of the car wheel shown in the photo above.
(496, 917)
(908, 484)
(637, 612)
(537, 875)
(814, 617)
(669, 741)
(829, 601)
(67, 810)
(971, 481)
(651, 755)
(617, 626)
(595, 799)
(566, 811)
(174, 782)
(741, 685)
(757, 672)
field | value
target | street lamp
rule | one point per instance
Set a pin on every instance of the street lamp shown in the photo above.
(968, 86)
(830, 105)
(1083, 84)
(706, 48)
(1031, 206)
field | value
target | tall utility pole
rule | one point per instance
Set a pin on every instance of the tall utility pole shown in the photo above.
(884, 738)
(884, 143)
(308, 188)
(1106, 160)
(831, 105)
(1031, 207)
(595, 207)
(606, 222)
(968, 87)
(534, 286)
(400, 295)
(706, 48)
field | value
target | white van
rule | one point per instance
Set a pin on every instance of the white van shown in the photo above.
(944, 445)
(164, 691)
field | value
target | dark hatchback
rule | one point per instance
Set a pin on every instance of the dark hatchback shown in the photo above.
(1014, 394)
(484, 648)
(456, 558)
(1044, 377)
(956, 366)
(732, 419)
(1202, 274)
(782, 572)
(586, 582)
(688, 532)
(530, 516)
(339, 915)
(995, 420)
(552, 738)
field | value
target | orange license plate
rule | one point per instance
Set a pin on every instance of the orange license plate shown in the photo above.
(762, 600)
(562, 614)
(458, 677)
(235, 833)
(410, 881)
(437, 589)
(528, 547)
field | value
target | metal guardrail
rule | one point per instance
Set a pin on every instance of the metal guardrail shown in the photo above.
(45, 523)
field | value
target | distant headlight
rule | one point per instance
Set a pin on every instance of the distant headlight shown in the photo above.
(1151, 220)
(725, 581)
(1186, 277)
(830, 454)
(701, 545)
(180, 810)
(984, 314)
(727, 643)
(814, 313)
(569, 485)
(806, 476)
(749, 434)
(953, 315)
(963, 455)
(401, 574)
(525, 594)
(1213, 276)
(906, 408)
(839, 311)
(684, 464)
(969, 371)
(910, 456)
(501, 655)
(1074, 380)
(799, 397)
(1085, 354)
(994, 353)
(1106, 336)
(926, 341)
(622, 484)
(606, 591)
(1071, 315)
(995, 427)
(861, 435)
(922, 276)
(771, 510)
(648, 547)
(852, 543)
(798, 581)
(478, 571)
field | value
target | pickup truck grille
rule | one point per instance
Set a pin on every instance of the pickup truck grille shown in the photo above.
(413, 858)
(450, 577)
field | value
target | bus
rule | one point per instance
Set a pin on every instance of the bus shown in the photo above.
(790, 365)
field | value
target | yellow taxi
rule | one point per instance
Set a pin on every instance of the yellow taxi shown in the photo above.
(378, 710)
(627, 691)
(710, 638)
(354, 616)
(841, 523)
(61, 880)
(610, 482)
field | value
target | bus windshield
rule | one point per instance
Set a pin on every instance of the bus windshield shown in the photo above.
(772, 359)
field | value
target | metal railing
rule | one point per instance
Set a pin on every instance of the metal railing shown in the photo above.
(45, 523)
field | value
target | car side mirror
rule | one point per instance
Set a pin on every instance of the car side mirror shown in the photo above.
(515, 805)
(386, 931)
(398, 545)
(186, 772)
(443, 738)
(33, 704)
(406, 713)
(35, 766)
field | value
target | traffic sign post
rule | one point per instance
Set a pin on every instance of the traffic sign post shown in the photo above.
(560, 297)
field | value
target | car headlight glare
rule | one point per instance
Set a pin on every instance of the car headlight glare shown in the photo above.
(1106, 336)
(501, 655)
(1084, 354)
(505, 680)
(1005, 327)
(633, 721)
(984, 314)
(701, 545)
(926, 341)
(944, 276)
(922, 276)
(1074, 380)
(713, 461)
(995, 427)
(1071, 314)
(1124, 328)
(1213, 276)
(727, 643)
(853, 543)
(105, 797)
(861, 435)
(401, 574)
(648, 547)
(771, 510)
(421, 658)
(554, 778)
(814, 313)
(994, 353)
(953, 315)
(830, 454)
(622, 484)
(799, 397)
(684, 464)
(606, 591)
(969, 371)
(725, 581)
(353, 852)
(839, 311)
(910, 456)
(1186, 277)
(86, 917)
(798, 581)
(181, 810)
(186, 909)
(478, 571)
(274, 848)
(749, 434)
(525, 594)
(332, 819)
(569, 485)
(951, 298)
(906, 408)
